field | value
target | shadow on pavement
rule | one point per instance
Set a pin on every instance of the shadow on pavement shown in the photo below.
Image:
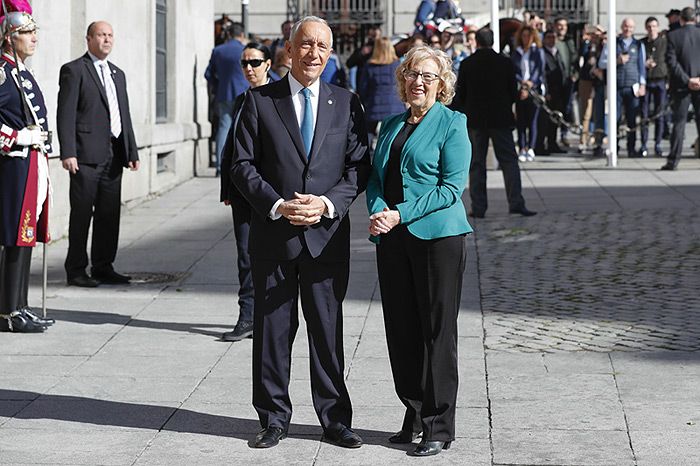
(105, 318)
(162, 418)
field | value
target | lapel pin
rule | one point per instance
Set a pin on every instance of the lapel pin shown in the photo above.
(330, 102)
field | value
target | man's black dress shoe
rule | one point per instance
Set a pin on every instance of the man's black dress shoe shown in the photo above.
(476, 214)
(36, 319)
(523, 211)
(110, 277)
(269, 437)
(83, 281)
(403, 436)
(668, 166)
(430, 447)
(343, 437)
(18, 322)
(242, 330)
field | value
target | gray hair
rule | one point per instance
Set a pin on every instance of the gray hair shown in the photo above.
(308, 19)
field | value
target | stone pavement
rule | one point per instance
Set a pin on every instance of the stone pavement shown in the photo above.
(579, 337)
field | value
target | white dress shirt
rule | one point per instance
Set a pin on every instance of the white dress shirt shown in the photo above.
(97, 63)
(295, 88)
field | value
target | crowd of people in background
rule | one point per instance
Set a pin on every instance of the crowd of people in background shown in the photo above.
(564, 66)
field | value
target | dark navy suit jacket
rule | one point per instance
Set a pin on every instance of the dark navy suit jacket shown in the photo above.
(224, 72)
(270, 162)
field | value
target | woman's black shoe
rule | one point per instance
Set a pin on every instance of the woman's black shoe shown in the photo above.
(430, 448)
(403, 436)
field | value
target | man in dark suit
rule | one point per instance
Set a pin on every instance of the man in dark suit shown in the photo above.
(301, 159)
(225, 76)
(486, 91)
(97, 142)
(557, 94)
(683, 60)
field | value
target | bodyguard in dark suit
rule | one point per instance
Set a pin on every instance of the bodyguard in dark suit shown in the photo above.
(300, 160)
(486, 90)
(97, 141)
(683, 60)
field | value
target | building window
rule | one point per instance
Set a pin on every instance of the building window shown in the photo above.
(165, 162)
(161, 62)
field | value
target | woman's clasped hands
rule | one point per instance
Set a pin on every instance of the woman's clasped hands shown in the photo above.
(382, 222)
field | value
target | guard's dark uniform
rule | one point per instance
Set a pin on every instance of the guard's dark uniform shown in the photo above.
(23, 182)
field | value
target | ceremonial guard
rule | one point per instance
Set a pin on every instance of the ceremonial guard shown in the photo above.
(24, 175)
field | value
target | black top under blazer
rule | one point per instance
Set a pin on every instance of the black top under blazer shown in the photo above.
(269, 162)
(83, 121)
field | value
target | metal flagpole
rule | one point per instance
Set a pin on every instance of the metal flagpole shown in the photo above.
(612, 84)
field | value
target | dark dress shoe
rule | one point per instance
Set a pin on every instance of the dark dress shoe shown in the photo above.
(18, 322)
(430, 447)
(268, 438)
(403, 436)
(83, 281)
(242, 330)
(343, 437)
(523, 211)
(668, 166)
(476, 214)
(110, 277)
(36, 319)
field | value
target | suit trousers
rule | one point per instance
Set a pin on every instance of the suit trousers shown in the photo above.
(95, 194)
(240, 210)
(504, 149)
(14, 282)
(322, 287)
(421, 286)
(680, 100)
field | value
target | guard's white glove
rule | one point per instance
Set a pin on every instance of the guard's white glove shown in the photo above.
(31, 137)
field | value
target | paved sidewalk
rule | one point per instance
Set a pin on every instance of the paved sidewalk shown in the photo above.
(579, 337)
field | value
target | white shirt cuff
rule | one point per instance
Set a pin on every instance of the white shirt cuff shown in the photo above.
(273, 212)
(329, 206)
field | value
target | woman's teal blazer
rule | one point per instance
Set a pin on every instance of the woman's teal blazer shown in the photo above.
(435, 169)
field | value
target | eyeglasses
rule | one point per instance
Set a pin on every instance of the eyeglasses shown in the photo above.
(254, 63)
(428, 78)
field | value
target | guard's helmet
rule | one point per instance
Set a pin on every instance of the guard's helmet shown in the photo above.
(17, 18)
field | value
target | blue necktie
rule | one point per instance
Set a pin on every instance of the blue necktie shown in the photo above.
(307, 123)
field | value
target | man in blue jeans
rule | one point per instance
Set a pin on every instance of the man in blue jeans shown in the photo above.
(631, 79)
(225, 75)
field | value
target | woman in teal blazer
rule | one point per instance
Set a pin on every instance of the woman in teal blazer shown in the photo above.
(418, 221)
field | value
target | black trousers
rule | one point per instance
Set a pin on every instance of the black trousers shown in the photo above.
(14, 278)
(421, 283)
(322, 286)
(680, 100)
(240, 211)
(95, 195)
(504, 148)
